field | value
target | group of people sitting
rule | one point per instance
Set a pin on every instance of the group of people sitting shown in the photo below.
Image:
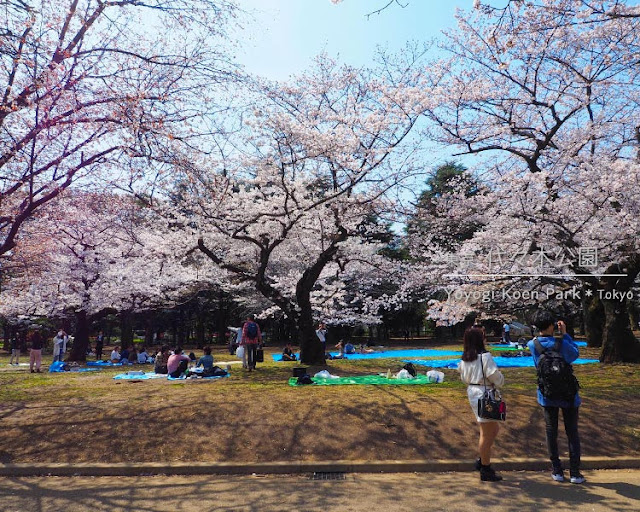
(175, 363)
(166, 361)
(130, 356)
(343, 348)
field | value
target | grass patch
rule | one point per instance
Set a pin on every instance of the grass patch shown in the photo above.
(257, 416)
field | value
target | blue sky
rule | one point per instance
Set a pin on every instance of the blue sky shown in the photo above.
(281, 37)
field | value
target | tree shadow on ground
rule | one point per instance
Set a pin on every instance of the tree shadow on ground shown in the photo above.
(397, 492)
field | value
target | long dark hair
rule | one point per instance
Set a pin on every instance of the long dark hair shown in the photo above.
(473, 344)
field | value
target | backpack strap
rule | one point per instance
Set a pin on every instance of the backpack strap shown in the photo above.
(541, 350)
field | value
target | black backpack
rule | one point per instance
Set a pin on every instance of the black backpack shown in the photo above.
(411, 369)
(556, 380)
(252, 330)
(304, 379)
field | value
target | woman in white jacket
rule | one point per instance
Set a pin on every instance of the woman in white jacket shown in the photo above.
(475, 359)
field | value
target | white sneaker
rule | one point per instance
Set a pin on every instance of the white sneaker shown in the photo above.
(578, 479)
(558, 477)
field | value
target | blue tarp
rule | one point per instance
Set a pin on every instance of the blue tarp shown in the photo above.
(58, 367)
(140, 376)
(278, 358)
(578, 344)
(391, 353)
(102, 363)
(502, 362)
(184, 377)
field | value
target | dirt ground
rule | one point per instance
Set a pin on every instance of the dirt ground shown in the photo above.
(257, 417)
(439, 492)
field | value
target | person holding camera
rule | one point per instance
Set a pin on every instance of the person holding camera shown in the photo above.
(558, 392)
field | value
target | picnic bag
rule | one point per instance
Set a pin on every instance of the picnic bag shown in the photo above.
(490, 404)
(259, 356)
(556, 380)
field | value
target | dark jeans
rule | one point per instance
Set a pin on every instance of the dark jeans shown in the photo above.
(251, 349)
(182, 367)
(570, 417)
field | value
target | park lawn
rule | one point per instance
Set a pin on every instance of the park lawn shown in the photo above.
(85, 417)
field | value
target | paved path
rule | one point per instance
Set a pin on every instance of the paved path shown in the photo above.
(610, 490)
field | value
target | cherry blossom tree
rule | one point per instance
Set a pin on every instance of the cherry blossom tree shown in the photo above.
(548, 93)
(290, 212)
(100, 254)
(91, 87)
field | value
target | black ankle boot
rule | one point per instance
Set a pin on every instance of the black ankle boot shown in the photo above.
(478, 464)
(487, 474)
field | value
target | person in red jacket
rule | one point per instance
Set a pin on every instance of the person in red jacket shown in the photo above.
(251, 338)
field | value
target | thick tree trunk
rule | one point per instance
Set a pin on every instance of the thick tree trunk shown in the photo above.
(619, 344)
(594, 317)
(311, 349)
(126, 328)
(222, 318)
(199, 330)
(81, 338)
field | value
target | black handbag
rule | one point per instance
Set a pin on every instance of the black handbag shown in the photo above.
(259, 355)
(490, 404)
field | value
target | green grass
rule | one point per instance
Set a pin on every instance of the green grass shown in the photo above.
(223, 419)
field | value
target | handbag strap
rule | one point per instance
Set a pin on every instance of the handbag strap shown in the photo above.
(484, 379)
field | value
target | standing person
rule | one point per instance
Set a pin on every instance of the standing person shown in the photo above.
(15, 350)
(35, 356)
(321, 333)
(235, 337)
(506, 333)
(99, 345)
(564, 397)
(59, 345)
(476, 361)
(251, 338)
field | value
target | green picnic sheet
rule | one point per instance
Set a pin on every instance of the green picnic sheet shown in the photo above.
(376, 380)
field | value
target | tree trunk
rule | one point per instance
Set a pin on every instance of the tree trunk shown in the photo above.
(126, 328)
(594, 318)
(199, 330)
(619, 345)
(81, 338)
(148, 330)
(311, 349)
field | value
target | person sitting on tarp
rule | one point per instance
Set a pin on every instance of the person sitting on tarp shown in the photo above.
(206, 361)
(143, 357)
(124, 356)
(162, 358)
(340, 347)
(115, 354)
(349, 349)
(133, 355)
(177, 363)
(287, 353)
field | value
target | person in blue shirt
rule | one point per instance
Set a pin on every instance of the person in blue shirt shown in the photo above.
(206, 361)
(546, 325)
